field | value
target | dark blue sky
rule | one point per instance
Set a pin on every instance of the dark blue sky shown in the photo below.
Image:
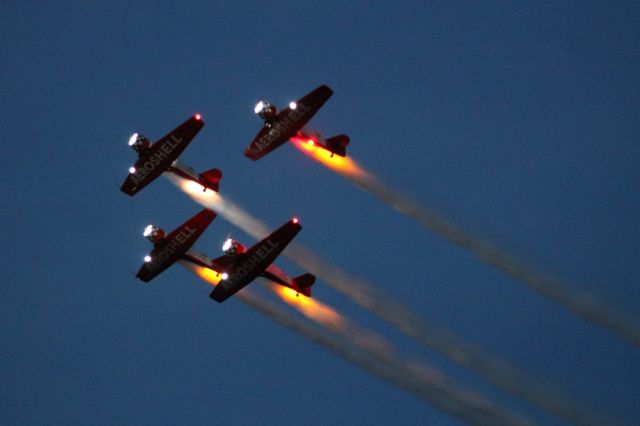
(518, 120)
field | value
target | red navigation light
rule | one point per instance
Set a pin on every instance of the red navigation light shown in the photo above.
(310, 142)
(198, 117)
(294, 220)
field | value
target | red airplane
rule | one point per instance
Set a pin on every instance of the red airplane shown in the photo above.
(237, 267)
(154, 159)
(168, 249)
(240, 265)
(281, 126)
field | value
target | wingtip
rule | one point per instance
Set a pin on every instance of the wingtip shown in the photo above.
(326, 87)
(251, 155)
(209, 214)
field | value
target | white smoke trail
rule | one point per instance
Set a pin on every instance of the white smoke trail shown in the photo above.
(496, 371)
(377, 356)
(492, 368)
(428, 384)
(582, 304)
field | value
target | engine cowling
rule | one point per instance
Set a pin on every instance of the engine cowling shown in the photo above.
(266, 111)
(153, 233)
(233, 247)
(139, 142)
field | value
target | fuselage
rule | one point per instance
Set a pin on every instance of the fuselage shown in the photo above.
(181, 169)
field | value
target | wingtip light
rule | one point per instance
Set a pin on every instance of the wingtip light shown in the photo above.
(198, 117)
(295, 220)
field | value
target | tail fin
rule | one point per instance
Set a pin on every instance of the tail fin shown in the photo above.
(338, 144)
(211, 178)
(303, 283)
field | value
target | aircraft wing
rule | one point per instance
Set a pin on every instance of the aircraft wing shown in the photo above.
(171, 248)
(248, 265)
(160, 155)
(287, 123)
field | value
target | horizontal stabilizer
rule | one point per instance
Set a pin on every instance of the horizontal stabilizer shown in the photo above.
(211, 179)
(338, 144)
(303, 284)
(339, 140)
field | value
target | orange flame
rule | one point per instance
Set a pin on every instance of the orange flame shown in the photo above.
(207, 274)
(343, 165)
(309, 307)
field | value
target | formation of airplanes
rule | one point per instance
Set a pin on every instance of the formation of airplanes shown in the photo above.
(239, 265)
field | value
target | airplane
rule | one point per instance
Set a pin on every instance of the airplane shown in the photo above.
(238, 267)
(291, 122)
(168, 249)
(162, 156)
